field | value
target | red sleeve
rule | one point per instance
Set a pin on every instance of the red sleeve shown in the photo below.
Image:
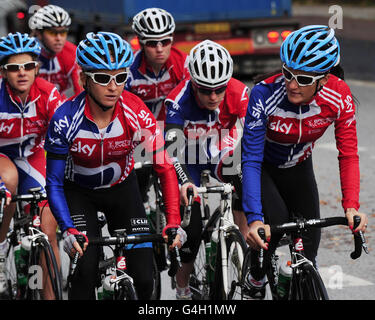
(75, 79)
(346, 142)
(153, 141)
(54, 101)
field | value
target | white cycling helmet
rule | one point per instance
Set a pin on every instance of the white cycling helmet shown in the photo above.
(210, 64)
(48, 17)
(153, 22)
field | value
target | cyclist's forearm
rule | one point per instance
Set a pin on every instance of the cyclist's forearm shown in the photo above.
(164, 169)
(174, 144)
(55, 193)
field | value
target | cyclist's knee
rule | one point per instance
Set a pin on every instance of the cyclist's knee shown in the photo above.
(9, 174)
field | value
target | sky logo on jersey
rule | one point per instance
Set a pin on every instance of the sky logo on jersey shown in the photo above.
(280, 127)
(5, 128)
(145, 116)
(62, 123)
(83, 148)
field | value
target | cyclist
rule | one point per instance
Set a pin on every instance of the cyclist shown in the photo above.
(204, 122)
(287, 113)
(50, 24)
(27, 104)
(93, 137)
(157, 68)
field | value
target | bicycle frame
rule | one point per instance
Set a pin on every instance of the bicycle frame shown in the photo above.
(224, 224)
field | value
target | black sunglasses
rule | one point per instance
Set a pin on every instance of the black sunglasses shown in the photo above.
(208, 91)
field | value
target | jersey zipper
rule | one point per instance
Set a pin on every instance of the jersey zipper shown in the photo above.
(102, 157)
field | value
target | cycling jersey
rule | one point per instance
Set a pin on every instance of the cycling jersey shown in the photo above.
(213, 135)
(23, 127)
(282, 134)
(153, 89)
(61, 69)
(102, 158)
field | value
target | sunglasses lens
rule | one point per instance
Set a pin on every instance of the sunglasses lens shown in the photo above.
(121, 77)
(12, 67)
(220, 90)
(30, 66)
(288, 75)
(102, 78)
(154, 43)
(166, 42)
(208, 92)
(56, 32)
(304, 80)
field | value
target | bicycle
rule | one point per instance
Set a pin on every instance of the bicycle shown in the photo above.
(157, 221)
(26, 229)
(218, 264)
(306, 282)
(120, 281)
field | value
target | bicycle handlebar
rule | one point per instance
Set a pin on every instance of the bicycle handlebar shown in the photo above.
(303, 224)
(34, 194)
(225, 188)
(126, 239)
(121, 240)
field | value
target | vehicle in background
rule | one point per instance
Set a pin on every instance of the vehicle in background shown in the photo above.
(13, 16)
(251, 30)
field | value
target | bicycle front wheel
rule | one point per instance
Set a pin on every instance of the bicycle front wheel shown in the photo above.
(199, 279)
(228, 283)
(308, 285)
(44, 273)
(156, 292)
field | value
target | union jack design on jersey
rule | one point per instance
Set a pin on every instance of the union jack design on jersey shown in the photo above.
(287, 134)
(153, 89)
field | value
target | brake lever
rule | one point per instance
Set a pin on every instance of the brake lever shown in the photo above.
(359, 240)
(187, 214)
(262, 235)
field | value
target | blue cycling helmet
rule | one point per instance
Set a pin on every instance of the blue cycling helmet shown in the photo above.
(312, 48)
(16, 43)
(104, 50)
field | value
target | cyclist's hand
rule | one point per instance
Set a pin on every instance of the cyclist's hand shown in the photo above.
(180, 238)
(71, 245)
(350, 213)
(183, 192)
(5, 193)
(253, 238)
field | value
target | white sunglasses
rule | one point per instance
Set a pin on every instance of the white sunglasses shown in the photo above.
(153, 43)
(302, 79)
(104, 78)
